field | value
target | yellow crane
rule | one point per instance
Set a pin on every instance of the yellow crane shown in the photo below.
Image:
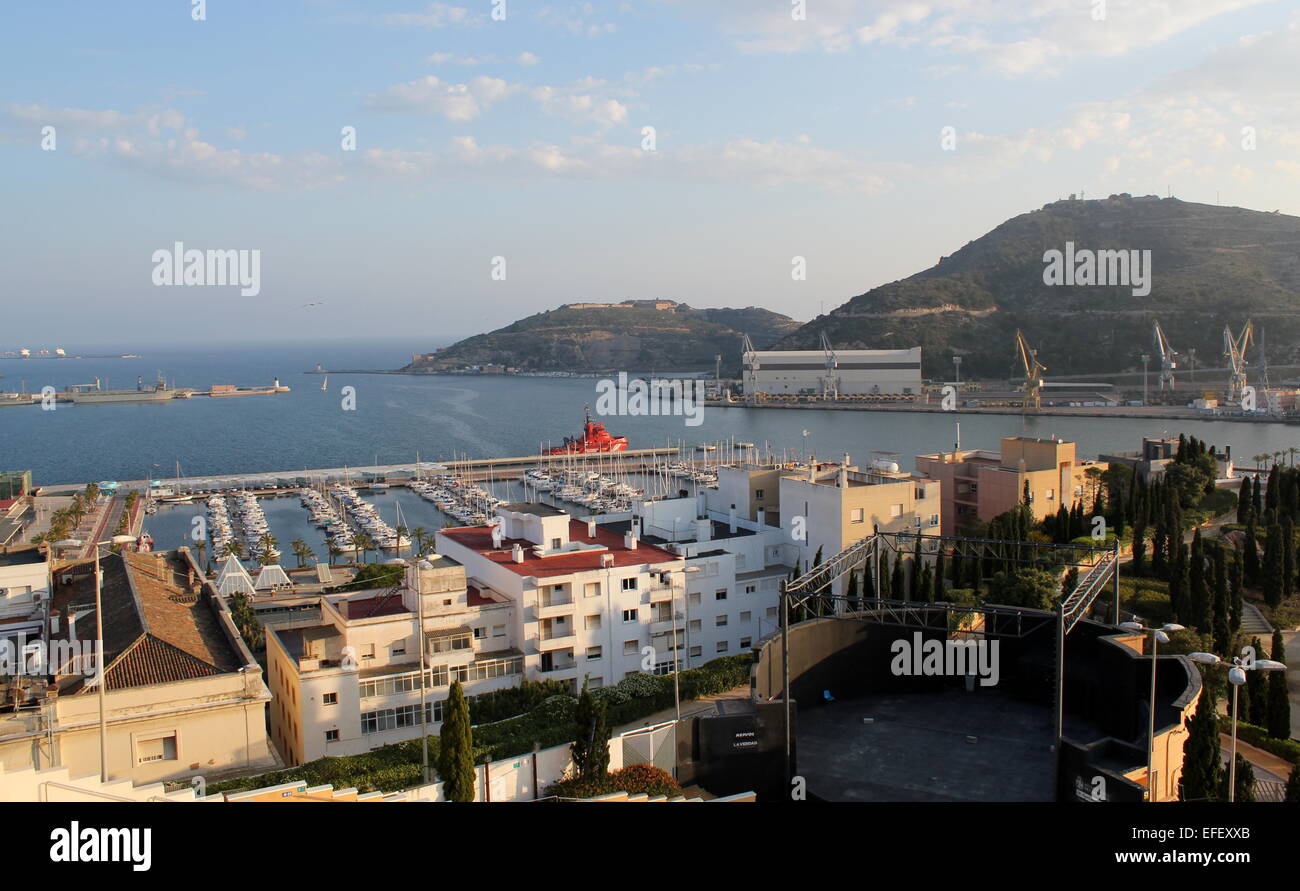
(1028, 357)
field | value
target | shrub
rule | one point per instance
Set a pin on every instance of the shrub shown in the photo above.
(635, 779)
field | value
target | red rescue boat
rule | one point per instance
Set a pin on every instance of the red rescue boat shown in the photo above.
(595, 438)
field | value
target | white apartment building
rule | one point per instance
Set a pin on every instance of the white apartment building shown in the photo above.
(352, 682)
(24, 584)
(586, 593)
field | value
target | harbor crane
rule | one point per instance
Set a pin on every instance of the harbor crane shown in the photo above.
(748, 366)
(831, 380)
(1168, 358)
(1234, 350)
(1028, 358)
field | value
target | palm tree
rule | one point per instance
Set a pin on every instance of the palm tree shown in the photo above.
(419, 535)
(266, 543)
(308, 555)
(363, 543)
(334, 550)
(401, 532)
(201, 546)
(1293, 451)
(234, 549)
(299, 547)
(1277, 456)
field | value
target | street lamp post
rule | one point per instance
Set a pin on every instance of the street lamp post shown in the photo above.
(1236, 677)
(1158, 636)
(101, 680)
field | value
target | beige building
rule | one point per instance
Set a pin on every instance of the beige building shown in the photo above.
(980, 484)
(352, 682)
(828, 507)
(184, 696)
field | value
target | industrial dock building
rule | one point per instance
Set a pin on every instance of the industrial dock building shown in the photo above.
(822, 372)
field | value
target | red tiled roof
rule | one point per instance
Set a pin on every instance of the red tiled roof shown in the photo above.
(479, 539)
(371, 607)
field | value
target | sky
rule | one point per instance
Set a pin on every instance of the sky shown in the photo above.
(502, 164)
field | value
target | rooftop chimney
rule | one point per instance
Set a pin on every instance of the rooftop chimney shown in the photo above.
(606, 561)
(497, 535)
(591, 528)
(731, 518)
(703, 529)
(844, 472)
(761, 517)
(812, 468)
(517, 553)
(629, 541)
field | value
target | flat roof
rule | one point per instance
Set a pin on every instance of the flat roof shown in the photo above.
(532, 507)
(25, 557)
(479, 540)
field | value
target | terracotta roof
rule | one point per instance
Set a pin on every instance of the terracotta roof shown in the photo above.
(155, 630)
(479, 539)
(371, 607)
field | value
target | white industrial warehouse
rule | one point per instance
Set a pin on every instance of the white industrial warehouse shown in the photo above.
(829, 372)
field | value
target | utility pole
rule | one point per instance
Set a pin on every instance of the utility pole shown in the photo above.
(956, 360)
(1145, 358)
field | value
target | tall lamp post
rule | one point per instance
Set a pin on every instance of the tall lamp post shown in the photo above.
(1158, 636)
(1236, 677)
(101, 680)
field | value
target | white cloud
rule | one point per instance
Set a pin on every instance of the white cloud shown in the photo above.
(437, 15)
(429, 95)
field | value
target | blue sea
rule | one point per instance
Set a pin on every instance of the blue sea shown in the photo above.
(397, 417)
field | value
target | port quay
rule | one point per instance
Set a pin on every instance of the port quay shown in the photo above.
(474, 469)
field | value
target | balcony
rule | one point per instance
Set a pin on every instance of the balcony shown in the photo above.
(548, 640)
(554, 608)
(665, 593)
(665, 626)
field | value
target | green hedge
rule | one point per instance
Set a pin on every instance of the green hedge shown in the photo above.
(548, 721)
(1259, 738)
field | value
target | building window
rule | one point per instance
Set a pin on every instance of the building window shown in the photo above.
(696, 652)
(857, 515)
(595, 683)
(664, 668)
(160, 748)
(498, 630)
(330, 699)
(745, 643)
(745, 617)
(481, 633)
(593, 652)
(934, 519)
(591, 589)
(695, 625)
(629, 615)
(1051, 495)
(591, 623)
(720, 621)
(368, 651)
(629, 584)
(397, 718)
(556, 544)
(750, 589)
(631, 647)
(722, 646)
(399, 648)
(758, 494)
(771, 612)
(331, 736)
(720, 594)
(694, 598)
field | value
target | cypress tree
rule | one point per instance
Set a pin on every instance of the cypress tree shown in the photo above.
(1234, 578)
(1256, 501)
(937, 595)
(1222, 609)
(1271, 492)
(1293, 785)
(456, 748)
(1139, 547)
(1250, 555)
(1159, 568)
(1243, 502)
(1245, 781)
(1288, 557)
(591, 746)
(955, 572)
(1201, 757)
(1257, 685)
(1178, 582)
(886, 590)
(925, 585)
(868, 587)
(1279, 707)
(1196, 611)
(914, 578)
(851, 592)
(1273, 566)
(977, 584)
(896, 582)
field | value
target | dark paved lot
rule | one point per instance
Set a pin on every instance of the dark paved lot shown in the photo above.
(917, 748)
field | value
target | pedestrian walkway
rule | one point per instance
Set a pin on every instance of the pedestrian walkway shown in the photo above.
(1253, 621)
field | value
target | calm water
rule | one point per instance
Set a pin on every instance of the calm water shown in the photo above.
(439, 418)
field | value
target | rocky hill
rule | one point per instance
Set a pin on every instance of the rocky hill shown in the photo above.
(635, 335)
(1209, 266)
